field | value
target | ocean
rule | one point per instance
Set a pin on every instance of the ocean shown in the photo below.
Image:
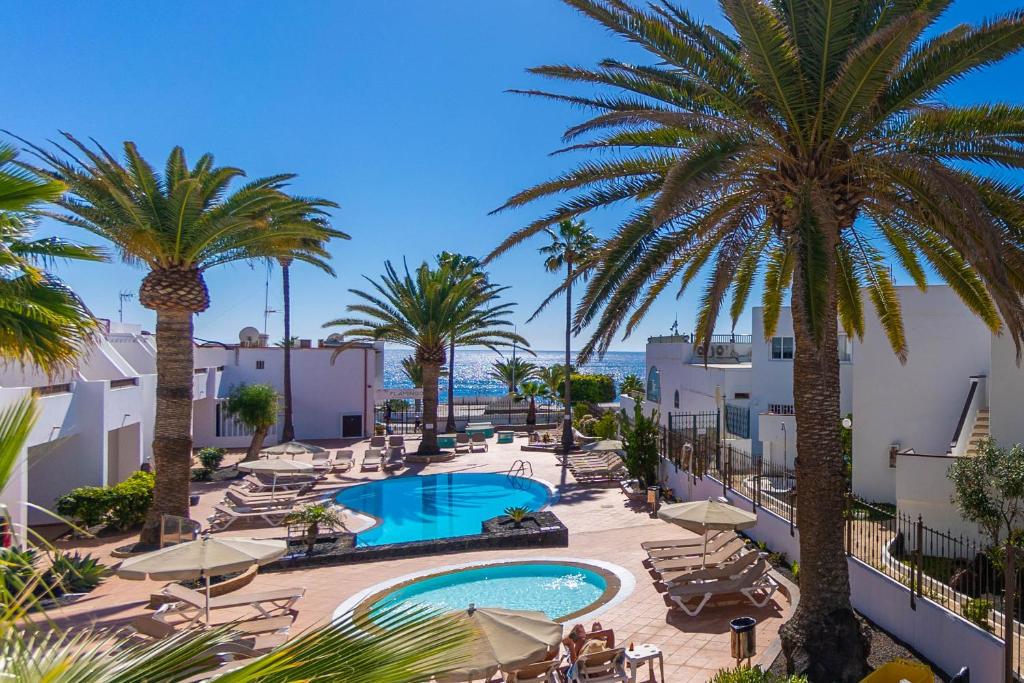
(472, 366)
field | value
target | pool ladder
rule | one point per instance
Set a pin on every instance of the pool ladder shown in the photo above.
(520, 468)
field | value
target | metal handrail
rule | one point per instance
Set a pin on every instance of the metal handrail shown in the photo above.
(519, 469)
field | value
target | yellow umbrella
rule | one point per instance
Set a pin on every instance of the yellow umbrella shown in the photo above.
(702, 516)
(201, 559)
(506, 639)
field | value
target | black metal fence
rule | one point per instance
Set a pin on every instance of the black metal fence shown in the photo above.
(737, 420)
(697, 430)
(405, 416)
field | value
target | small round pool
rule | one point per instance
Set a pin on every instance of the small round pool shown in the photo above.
(438, 505)
(562, 590)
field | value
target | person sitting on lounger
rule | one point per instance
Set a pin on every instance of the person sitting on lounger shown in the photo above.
(579, 640)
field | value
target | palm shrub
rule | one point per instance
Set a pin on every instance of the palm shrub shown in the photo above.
(531, 391)
(511, 372)
(422, 309)
(517, 514)
(632, 386)
(255, 406)
(314, 517)
(177, 224)
(809, 144)
(640, 434)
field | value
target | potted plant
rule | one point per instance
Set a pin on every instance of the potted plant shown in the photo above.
(517, 515)
(313, 517)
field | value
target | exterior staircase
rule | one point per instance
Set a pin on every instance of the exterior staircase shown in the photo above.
(979, 431)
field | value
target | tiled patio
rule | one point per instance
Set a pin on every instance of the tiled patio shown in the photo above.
(601, 526)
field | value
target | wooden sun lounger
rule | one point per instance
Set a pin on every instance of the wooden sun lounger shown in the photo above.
(268, 604)
(608, 666)
(268, 498)
(372, 459)
(541, 672)
(223, 516)
(678, 542)
(714, 545)
(721, 571)
(750, 583)
(676, 564)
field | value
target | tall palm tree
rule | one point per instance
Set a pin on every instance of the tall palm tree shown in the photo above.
(512, 371)
(572, 245)
(552, 377)
(808, 143)
(301, 211)
(414, 372)
(422, 309)
(532, 390)
(461, 266)
(178, 224)
(42, 321)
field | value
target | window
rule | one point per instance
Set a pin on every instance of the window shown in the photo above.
(741, 395)
(654, 385)
(782, 348)
(675, 399)
(259, 365)
(845, 349)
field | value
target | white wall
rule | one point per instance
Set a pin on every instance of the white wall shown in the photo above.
(1006, 393)
(916, 405)
(922, 488)
(695, 382)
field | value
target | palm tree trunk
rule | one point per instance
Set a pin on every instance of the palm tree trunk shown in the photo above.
(287, 429)
(567, 418)
(531, 414)
(449, 425)
(172, 429)
(431, 371)
(256, 445)
(824, 639)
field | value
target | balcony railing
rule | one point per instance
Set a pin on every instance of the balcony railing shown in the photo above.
(781, 409)
(122, 383)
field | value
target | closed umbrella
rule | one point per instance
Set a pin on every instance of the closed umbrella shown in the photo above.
(276, 467)
(201, 559)
(506, 639)
(702, 516)
(293, 448)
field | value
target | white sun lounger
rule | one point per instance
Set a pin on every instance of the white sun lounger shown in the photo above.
(372, 459)
(714, 545)
(750, 583)
(608, 666)
(192, 604)
(477, 440)
(343, 460)
(462, 443)
(678, 542)
(675, 564)
(223, 516)
(733, 567)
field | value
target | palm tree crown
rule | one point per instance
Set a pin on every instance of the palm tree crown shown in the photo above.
(41, 320)
(805, 143)
(512, 371)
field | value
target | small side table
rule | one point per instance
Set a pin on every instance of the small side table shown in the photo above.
(644, 652)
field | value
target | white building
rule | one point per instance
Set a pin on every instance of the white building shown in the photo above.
(95, 424)
(747, 376)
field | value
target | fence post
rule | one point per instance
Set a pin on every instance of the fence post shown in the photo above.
(727, 474)
(849, 523)
(919, 555)
(1009, 605)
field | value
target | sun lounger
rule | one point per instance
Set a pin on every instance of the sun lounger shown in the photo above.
(253, 484)
(608, 666)
(724, 570)
(342, 461)
(462, 443)
(477, 440)
(372, 459)
(679, 542)
(224, 516)
(253, 638)
(394, 461)
(751, 583)
(541, 672)
(258, 500)
(321, 462)
(714, 545)
(192, 604)
(397, 441)
(380, 441)
(677, 564)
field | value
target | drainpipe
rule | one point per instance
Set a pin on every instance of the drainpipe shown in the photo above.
(366, 386)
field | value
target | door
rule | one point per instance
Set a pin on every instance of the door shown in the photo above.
(351, 425)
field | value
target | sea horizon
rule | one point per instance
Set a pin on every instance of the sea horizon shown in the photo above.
(472, 366)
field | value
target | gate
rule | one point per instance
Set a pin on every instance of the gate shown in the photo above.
(701, 431)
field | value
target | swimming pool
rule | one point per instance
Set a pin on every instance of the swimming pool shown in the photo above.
(438, 505)
(559, 589)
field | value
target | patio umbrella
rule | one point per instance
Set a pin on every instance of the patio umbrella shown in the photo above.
(506, 639)
(603, 445)
(276, 466)
(293, 448)
(702, 516)
(201, 559)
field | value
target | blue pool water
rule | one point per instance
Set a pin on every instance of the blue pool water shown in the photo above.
(438, 505)
(555, 589)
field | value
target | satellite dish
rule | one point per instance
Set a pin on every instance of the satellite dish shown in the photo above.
(334, 339)
(249, 336)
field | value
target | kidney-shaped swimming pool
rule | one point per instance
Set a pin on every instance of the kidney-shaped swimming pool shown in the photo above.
(438, 505)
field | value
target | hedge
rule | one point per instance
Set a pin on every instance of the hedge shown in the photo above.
(590, 388)
(122, 506)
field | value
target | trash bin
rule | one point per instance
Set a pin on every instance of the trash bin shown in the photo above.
(653, 497)
(743, 638)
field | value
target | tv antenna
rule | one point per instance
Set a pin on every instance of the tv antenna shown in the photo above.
(675, 325)
(123, 295)
(267, 310)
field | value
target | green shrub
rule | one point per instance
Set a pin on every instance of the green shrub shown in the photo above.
(640, 436)
(778, 558)
(200, 474)
(130, 500)
(19, 569)
(976, 611)
(586, 425)
(607, 427)
(590, 388)
(86, 506)
(74, 573)
(755, 675)
(211, 458)
(795, 568)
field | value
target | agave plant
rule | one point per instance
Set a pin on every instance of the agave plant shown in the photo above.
(517, 515)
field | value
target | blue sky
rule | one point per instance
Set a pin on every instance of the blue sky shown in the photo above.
(396, 110)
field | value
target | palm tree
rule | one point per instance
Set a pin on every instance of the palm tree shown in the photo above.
(414, 372)
(532, 390)
(177, 224)
(808, 143)
(42, 321)
(572, 245)
(300, 211)
(461, 266)
(255, 406)
(422, 309)
(512, 371)
(632, 386)
(551, 376)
